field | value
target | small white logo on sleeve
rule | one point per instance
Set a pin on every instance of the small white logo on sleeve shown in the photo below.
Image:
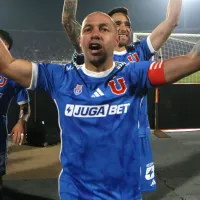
(153, 183)
(150, 174)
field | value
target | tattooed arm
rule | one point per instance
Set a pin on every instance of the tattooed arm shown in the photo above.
(71, 26)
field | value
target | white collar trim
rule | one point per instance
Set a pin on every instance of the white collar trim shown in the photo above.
(120, 52)
(97, 74)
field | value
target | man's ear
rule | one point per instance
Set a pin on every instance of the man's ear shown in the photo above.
(7, 46)
(117, 41)
(79, 40)
(5, 43)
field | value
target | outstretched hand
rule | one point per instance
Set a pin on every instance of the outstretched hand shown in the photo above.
(18, 133)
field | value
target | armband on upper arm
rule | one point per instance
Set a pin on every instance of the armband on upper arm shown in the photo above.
(156, 74)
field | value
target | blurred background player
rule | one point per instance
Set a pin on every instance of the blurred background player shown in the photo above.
(127, 52)
(9, 89)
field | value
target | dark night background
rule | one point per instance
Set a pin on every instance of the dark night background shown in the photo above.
(46, 14)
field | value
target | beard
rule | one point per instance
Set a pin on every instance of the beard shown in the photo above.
(98, 61)
(124, 42)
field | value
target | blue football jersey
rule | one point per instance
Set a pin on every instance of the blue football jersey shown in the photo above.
(141, 51)
(98, 116)
(9, 89)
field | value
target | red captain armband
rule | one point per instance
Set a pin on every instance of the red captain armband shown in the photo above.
(156, 74)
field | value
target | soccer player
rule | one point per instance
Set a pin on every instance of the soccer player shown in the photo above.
(100, 150)
(124, 52)
(9, 89)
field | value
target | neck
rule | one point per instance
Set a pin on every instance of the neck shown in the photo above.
(108, 64)
(120, 48)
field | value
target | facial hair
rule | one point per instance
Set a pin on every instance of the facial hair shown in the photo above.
(100, 61)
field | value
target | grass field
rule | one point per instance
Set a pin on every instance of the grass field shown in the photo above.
(192, 79)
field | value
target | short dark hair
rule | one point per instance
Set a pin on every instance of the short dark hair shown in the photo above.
(4, 35)
(118, 10)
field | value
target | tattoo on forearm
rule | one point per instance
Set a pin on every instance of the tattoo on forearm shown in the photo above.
(69, 4)
(24, 112)
(72, 27)
(196, 48)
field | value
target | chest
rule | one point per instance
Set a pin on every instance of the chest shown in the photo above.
(88, 99)
(116, 88)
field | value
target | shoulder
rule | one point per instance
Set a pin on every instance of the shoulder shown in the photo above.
(135, 45)
(51, 68)
(124, 68)
(120, 65)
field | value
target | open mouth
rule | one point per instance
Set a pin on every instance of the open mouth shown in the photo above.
(95, 48)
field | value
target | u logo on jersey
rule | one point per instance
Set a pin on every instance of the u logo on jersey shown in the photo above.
(3, 81)
(133, 58)
(114, 89)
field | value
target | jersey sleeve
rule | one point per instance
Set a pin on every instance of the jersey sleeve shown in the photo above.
(47, 77)
(145, 49)
(138, 73)
(147, 74)
(22, 97)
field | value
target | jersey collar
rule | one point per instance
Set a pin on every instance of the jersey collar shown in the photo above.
(97, 74)
(120, 52)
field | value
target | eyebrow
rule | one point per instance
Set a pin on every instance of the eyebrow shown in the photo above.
(105, 24)
(120, 21)
(100, 25)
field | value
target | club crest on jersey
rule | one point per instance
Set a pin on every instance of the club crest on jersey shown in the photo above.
(3, 81)
(78, 89)
(133, 58)
(119, 88)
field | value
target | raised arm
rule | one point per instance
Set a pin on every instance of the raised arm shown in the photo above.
(174, 69)
(162, 32)
(15, 69)
(179, 67)
(71, 26)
